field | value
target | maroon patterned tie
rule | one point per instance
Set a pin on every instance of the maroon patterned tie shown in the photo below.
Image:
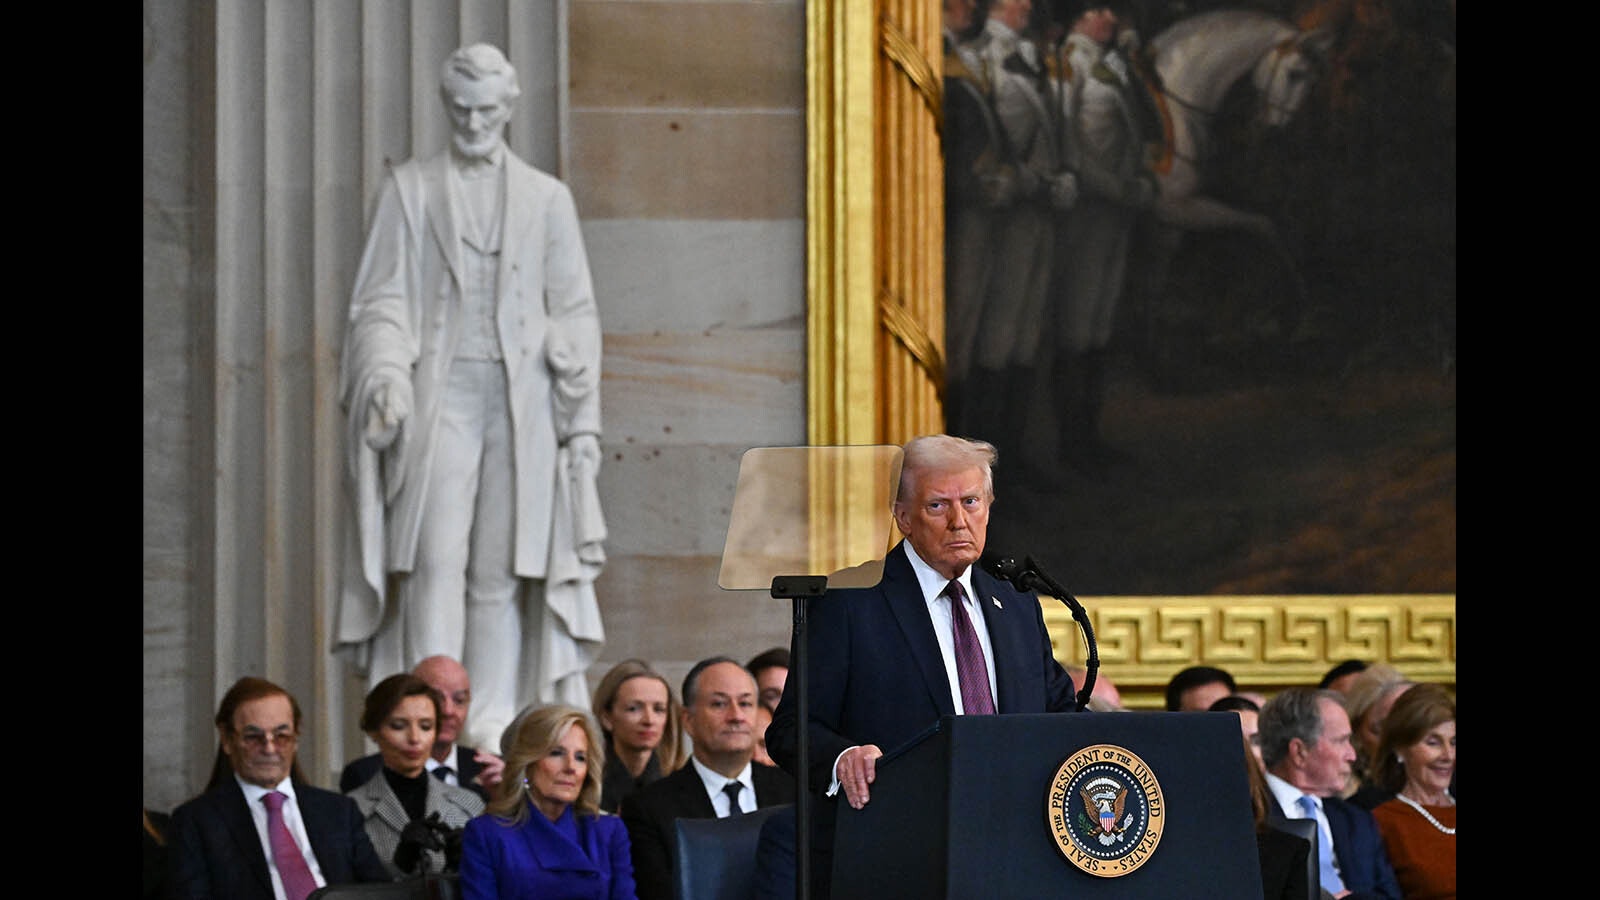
(297, 878)
(970, 668)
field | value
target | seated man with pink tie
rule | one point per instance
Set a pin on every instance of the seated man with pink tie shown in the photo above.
(259, 831)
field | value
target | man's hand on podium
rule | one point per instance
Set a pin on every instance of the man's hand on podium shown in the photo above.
(857, 769)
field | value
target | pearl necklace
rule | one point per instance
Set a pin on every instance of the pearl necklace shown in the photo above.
(1425, 814)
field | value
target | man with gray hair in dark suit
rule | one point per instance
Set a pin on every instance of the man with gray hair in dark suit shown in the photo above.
(1306, 749)
(937, 636)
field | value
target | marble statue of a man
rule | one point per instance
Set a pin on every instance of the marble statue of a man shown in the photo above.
(470, 380)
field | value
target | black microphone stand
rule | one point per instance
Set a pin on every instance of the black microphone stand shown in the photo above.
(1031, 577)
(800, 589)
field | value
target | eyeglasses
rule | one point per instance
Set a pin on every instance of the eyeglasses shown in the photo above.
(258, 740)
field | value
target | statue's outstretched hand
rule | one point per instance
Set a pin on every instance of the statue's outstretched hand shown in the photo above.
(389, 409)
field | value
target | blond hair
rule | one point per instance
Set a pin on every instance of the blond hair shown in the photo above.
(670, 753)
(529, 739)
(1375, 682)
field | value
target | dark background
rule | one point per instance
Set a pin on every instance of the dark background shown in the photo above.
(1275, 442)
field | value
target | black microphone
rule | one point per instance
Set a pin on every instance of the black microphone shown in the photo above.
(1004, 568)
(1027, 576)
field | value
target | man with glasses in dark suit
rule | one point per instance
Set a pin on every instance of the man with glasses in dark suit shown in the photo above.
(259, 831)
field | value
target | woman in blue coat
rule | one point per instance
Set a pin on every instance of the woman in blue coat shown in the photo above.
(543, 835)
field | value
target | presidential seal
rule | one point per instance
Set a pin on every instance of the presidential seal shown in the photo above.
(1105, 810)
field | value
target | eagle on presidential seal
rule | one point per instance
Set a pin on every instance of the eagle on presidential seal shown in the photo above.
(1103, 799)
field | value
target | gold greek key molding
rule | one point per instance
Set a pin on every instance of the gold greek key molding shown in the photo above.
(1266, 642)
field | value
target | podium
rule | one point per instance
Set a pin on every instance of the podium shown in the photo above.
(970, 810)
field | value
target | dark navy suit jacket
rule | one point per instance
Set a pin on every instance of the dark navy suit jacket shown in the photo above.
(216, 852)
(1363, 861)
(875, 676)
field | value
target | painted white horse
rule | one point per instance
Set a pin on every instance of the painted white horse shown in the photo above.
(1199, 60)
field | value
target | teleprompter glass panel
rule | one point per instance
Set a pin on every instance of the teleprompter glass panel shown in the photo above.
(811, 511)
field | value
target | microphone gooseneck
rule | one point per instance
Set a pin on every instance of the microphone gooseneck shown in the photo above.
(1030, 576)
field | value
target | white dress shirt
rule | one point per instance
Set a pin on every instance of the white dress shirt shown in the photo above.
(716, 781)
(1288, 797)
(933, 585)
(453, 760)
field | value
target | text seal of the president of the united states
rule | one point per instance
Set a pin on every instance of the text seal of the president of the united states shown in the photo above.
(1105, 810)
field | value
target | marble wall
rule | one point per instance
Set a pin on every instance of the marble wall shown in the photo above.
(680, 127)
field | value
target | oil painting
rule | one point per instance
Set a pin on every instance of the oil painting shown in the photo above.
(1262, 398)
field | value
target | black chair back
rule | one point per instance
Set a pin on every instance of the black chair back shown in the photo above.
(1306, 829)
(717, 857)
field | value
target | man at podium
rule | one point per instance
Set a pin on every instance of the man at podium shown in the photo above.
(937, 636)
